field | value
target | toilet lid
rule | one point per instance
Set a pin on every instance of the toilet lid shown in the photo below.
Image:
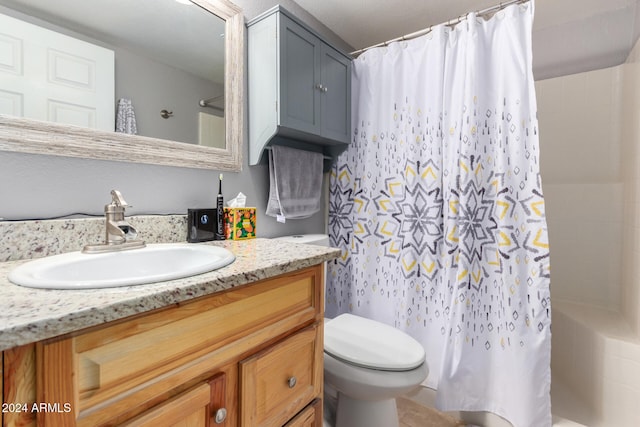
(370, 344)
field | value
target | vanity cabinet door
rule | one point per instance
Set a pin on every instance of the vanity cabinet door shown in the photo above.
(17, 386)
(278, 382)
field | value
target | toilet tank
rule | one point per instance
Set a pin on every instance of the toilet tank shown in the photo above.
(311, 239)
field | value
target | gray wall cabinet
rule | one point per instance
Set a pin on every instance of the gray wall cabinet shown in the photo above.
(299, 88)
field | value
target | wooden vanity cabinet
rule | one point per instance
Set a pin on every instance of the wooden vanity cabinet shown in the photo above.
(250, 356)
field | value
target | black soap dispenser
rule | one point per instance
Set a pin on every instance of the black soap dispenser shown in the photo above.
(201, 225)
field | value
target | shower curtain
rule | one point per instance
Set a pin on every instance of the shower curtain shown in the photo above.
(437, 206)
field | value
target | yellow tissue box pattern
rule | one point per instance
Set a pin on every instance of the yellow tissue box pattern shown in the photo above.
(239, 223)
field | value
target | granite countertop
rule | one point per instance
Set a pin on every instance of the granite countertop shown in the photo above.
(28, 315)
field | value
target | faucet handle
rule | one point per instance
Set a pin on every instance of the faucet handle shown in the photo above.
(118, 200)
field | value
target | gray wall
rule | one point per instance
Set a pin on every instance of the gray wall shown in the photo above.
(153, 86)
(34, 186)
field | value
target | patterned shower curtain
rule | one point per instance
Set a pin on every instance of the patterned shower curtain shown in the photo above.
(437, 206)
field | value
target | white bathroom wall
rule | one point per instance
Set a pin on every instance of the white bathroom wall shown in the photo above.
(581, 148)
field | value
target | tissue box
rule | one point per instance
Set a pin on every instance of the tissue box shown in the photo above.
(239, 223)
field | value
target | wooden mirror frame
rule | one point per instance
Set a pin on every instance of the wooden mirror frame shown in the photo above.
(37, 137)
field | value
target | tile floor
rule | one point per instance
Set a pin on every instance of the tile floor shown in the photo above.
(412, 414)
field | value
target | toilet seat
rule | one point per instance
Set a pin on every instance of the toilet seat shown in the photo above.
(370, 344)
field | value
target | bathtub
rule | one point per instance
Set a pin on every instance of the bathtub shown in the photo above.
(595, 365)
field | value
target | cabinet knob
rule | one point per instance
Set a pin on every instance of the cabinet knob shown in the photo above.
(324, 89)
(292, 382)
(320, 87)
(221, 415)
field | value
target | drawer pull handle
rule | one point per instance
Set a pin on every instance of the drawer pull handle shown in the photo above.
(292, 382)
(221, 415)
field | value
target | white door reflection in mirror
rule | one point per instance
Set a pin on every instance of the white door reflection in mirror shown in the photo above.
(211, 130)
(49, 76)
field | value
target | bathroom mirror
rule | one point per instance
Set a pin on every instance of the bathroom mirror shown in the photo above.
(21, 134)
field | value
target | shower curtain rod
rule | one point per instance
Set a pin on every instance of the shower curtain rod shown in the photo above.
(207, 102)
(454, 21)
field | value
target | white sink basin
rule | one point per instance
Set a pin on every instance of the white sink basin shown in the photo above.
(154, 263)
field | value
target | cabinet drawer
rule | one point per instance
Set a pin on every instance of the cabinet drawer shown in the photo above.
(280, 381)
(311, 416)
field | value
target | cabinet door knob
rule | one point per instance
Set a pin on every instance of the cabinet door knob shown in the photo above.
(292, 382)
(320, 87)
(324, 88)
(221, 415)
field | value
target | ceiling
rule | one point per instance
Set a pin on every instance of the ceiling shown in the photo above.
(569, 36)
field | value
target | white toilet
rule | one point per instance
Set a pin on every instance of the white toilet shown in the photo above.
(367, 364)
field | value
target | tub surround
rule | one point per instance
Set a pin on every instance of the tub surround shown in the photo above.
(29, 315)
(595, 363)
(592, 214)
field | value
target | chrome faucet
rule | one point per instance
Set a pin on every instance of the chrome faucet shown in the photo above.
(120, 235)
